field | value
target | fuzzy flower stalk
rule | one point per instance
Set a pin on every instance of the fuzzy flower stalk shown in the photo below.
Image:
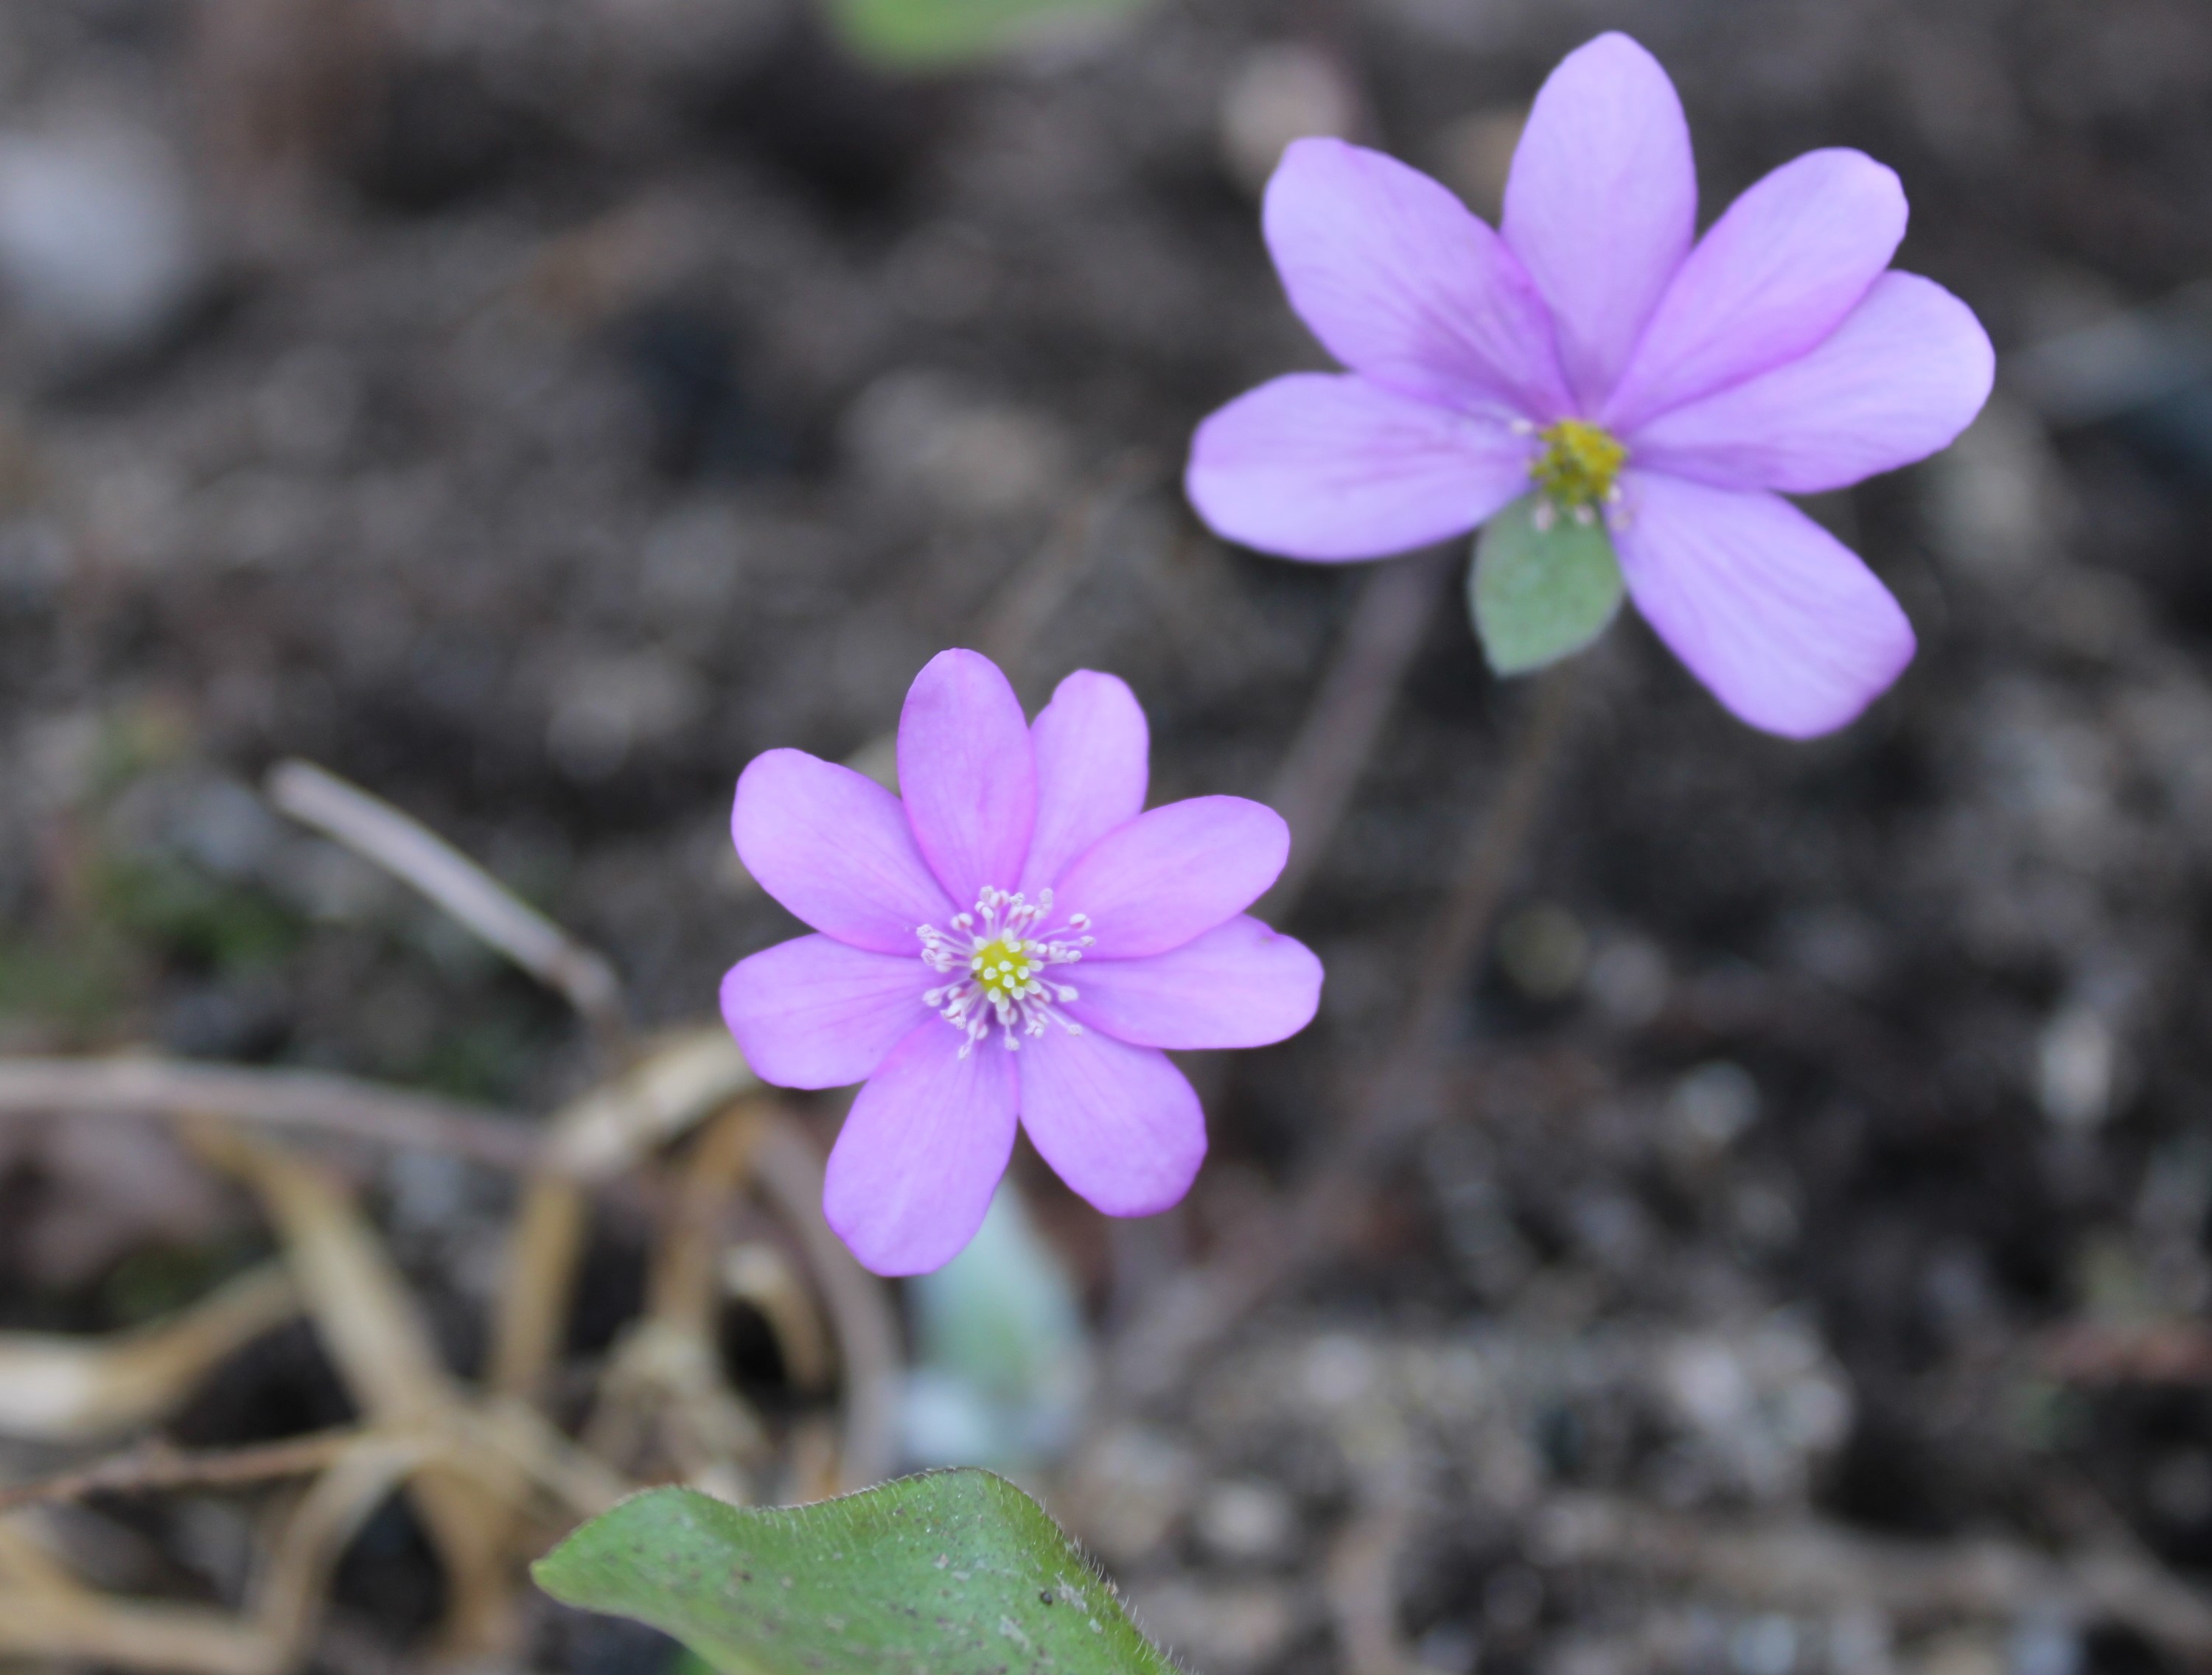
(1624, 403)
(1011, 945)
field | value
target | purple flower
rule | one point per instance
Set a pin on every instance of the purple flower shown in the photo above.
(1588, 349)
(1015, 942)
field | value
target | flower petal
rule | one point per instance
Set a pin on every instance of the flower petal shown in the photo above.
(1602, 203)
(1119, 1124)
(835, 848)
(1406, 287)
(1771, 278)
(1175, 873)
(1239, 985)
(1331, 467)
(921, 1152)
(1093, 753)
(813, 1013)
(1776, 617)
(1903, 375)
(967, 774)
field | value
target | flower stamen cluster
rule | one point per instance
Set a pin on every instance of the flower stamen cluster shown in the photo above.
(1579, 468)
(1001, 955)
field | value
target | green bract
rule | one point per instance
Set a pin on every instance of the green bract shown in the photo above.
(946, 34)
(1538, 593)
(951, 1572)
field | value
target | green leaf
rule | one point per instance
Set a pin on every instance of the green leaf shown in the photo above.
(909, 36)
(1537, 594)
(951, 1572)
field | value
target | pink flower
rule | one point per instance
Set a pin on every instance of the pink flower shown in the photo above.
(1588, 348)
(1015, 942)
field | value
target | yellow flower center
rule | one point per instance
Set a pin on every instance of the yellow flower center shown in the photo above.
(1578, 465)
(1004, 965)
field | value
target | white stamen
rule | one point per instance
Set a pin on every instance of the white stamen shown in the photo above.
(1001, 953)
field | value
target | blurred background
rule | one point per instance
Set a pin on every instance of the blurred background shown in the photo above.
(530, 410)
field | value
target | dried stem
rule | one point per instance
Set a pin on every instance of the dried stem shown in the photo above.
(65, 1387)
(304, 1100)
(413, 852)
(789, 1171)
(1196, 1309)
(158, 1466)
(1493, 855)
(1332, 749)
(673, 1086)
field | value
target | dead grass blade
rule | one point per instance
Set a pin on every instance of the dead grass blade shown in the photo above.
(680, 1083)
(759, 1274)
(62, 1389)
(302, 1100)
(664, 1404)
(52, 1618)
(411, 852)
(384, 1352)
(26, 1564)
(788, 1170)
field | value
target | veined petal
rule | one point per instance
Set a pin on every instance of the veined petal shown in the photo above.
(1771, 278)
(1174, 874)
(1785, 624)
(1602, 203)
(835, 848)
(1239, 985)
(1401, 284)
(967, 774)
(921, 1152)
(814, 1013)
(1119, 1124)
(1331, 467)
(1093, 761)
(1899, 378)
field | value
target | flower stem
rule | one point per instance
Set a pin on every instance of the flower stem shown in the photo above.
(1332, 749)
(1492, 854)
(1396, 1102)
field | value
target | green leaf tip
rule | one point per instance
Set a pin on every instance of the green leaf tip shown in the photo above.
(950, 1573)
(1537, 594)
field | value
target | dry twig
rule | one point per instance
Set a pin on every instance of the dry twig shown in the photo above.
(384, 1352)
(48, 1617)
(307, 1100)
(157, 1465)
(411, 852)
(472, 1467)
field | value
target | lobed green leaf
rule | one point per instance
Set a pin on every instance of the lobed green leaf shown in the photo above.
(951, 1572)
